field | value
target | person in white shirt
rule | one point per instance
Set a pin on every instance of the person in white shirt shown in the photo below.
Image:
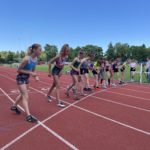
(148, 69)
(132, 69)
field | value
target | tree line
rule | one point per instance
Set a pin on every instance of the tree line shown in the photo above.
(118, 50)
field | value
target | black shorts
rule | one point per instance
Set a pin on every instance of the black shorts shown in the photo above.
(116, 70)
(56, 70)
(22, 79)
(133, 69)
(107, 70)
(74, 72)
(122, 69)
(94, 72)
(84, 71)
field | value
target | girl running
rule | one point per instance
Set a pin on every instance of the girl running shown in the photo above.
(112, 74)
(108, 72)
(102, 74)
(132, 69)
(25, 70)
(56, 71)
(95, 71)
(148, 69)
(115, 68)
(75, 72)
(122, 70)
(84, 71)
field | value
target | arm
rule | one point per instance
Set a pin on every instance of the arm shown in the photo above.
(50, 64)
(73, 62)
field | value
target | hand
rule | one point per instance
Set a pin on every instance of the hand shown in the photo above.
(37, 78)
(60, 74)
(33, 74)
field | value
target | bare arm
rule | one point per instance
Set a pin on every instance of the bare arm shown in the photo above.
(51, 62)
(73, 62)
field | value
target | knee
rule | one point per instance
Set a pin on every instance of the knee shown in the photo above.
(57, 86)
(25, 95)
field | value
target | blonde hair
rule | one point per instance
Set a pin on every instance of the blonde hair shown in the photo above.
(64, 48)
(32, 48)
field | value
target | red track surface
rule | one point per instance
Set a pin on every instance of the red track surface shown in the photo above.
(112, 119)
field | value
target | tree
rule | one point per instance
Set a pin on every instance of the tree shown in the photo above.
(22, 54)
(95, 50)
(121, 51)
(74, 53)
(50, 51)
(10, 57)
(42, 57)
(110, 53)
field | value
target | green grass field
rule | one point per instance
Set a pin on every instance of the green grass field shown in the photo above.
(127, 73)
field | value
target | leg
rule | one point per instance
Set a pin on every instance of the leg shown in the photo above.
(23, 97)
(19, 97)
(75, 78)
(87, 80)
(52, 88)
(72, 85)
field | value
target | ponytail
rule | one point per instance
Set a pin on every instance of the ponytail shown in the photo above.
(31, 49)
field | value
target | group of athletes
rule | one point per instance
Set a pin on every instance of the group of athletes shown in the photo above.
(102, 70)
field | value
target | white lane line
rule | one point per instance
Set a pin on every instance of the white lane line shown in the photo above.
(122, 104)
(114, 121)
(44, 126)
(146, 99)
(101, 116)
(22, 135)
(128, 89)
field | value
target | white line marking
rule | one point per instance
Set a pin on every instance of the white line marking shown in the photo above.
(135, 90)
(104, 117)
(129, 95)
(48, 117)
(122, 104)
(114, 121)
(42, 124)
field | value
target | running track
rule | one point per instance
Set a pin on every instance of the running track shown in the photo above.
(112, 119)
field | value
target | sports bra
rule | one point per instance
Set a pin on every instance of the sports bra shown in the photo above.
(31, 64)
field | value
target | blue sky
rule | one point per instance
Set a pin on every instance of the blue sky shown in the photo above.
(77, 22)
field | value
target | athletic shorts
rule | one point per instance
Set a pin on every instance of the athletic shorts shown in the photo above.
(94, 72)
(133, 69)
(116, 70)
(74, 72)
(84, 71)
(122, 69)
(22, 79)
(56, 70)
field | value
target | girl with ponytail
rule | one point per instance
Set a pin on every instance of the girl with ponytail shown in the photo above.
(25, 70)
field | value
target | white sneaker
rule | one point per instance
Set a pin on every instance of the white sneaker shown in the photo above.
(113, 85)
(132, 80)
(104, 87)
(61, 104)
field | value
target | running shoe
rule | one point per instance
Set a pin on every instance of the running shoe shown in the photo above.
(16, 110)
(61, 104)
(104, 87)
(31, 119)
(49, 98)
